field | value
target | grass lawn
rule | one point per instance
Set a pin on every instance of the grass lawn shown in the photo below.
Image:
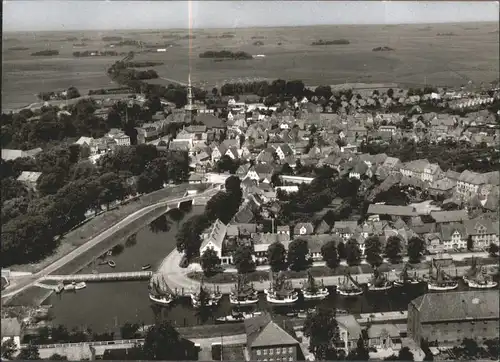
(214, 330)
(233, 352)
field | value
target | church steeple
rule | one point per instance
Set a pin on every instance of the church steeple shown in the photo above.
(190, 108)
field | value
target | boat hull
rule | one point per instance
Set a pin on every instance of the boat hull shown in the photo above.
(286, 301)
(232, 319)
(161, 301)
(235, 301)
(345, 293)
(431, 286)
(321, 294)
(408, 282)
(487, 285)
(81, 285)
(373, 288)
(196, 303)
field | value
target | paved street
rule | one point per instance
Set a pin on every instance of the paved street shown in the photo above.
(30, 281)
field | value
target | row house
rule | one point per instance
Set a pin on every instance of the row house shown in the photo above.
(421, 169)
(119, 137)
(483, 232)
(262, 241)
(453, 236)
(470, 183)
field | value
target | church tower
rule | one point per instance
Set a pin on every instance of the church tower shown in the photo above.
(190, 108)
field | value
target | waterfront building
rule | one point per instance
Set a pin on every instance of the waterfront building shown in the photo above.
(268, 341)
(448, 318)
(11, 328)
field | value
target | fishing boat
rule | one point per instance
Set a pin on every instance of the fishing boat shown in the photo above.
(405, 278)
(311, 290)
(69, 287)
(159, 292)
(204, 297)
(236, 317)
(349, 287)
(379, 282)
(477, 277)
(243, 293)
(80, 285)
(439, 280)
(59, 288)
(146, 267)
(281, 292)
(111, 263)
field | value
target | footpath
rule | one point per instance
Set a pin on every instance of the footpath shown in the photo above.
(177, 277)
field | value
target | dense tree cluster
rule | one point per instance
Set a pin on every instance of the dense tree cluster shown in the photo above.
(225, 54)
(45, 53)
(331, 42)
(92, 53)
(222, 206)
(69, 189)
(70, 93)
(323, 332)
(456, 156)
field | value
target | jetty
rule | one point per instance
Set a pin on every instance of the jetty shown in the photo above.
(102, 277)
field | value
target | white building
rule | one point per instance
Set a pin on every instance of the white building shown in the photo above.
(214, 238)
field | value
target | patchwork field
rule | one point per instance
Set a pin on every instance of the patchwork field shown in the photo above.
(461, 53)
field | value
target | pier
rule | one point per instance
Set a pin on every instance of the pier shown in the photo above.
(102, 277)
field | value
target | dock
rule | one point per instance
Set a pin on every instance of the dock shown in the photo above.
(102, 277)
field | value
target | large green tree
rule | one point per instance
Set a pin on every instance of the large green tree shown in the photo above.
(393, 249)
(373, 251)
(416, 248)
(298, 250)
(352, 252)
(330, 254)
(163, 342)
(210, 262)
(276, 256)
(323, 332)
(242, 258)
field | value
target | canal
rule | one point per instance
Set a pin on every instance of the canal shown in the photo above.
(105, 306)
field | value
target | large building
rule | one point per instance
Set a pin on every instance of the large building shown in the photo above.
(448, 318)
(268, 341)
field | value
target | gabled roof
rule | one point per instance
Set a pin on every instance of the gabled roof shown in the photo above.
(449, 216)
(210, 121)
(262, 331)
(391, 210)
(447, 230)
(455, 306)
(307, 225)
(216, 234)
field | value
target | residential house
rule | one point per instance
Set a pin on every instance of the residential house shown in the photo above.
(384, 336)
(11, 328)
(443, 188)
(9, 154)
(322, 228)
(29, 179)
(391, 210)
(360, 169)
(449, 318)
(469, 182)
(146, 134)
(453, 236)
(432, 173)
(482, 231)
(284, 229)
(217, 152)
(119, 136)
(266, 156)
(316, 242)
(213, 239)
(303, 228)
(268, 341)
(415, 169)
(284, 151)
(262, 241)
(389, 129)
(345, 229)
(260, 173)
(349, 332)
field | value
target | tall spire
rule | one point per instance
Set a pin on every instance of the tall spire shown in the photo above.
(189, 92)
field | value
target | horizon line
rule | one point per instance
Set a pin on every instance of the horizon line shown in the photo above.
(255, 27)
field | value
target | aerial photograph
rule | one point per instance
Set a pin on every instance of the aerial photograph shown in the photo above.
(276, 181)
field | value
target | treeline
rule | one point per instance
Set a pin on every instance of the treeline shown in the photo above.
(127, 42)
(223, 36)
(279, 88)
(70, 93)
(225, 54)
(45, 53)
(111, 38)
(92, 53)
(223, 206)
(70, 188)
(331, 42)
(382, 49)
(142, 64)
(103, 91)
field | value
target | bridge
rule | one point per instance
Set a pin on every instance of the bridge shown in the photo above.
(102, 277)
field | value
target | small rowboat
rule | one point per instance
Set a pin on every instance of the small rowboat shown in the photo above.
(111, 263)
(80, 285)
(146, 267)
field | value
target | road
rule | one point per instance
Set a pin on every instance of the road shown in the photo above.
(177, 278)
(38, 277)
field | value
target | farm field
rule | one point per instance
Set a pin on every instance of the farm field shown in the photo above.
(465, 52)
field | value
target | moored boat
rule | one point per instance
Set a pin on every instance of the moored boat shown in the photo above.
(311, 290)
(477, 277)
(59, 288)
(243, 293)
(69, 287)
(349, 287)
(204, 298)
(111, 263)
(379, 282)
(146, 267)
(237, 317)
(405, 278)
(440, 281)
(80, 285)
(281, 292)
(159, 292)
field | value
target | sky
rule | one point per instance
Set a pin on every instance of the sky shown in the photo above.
(47, 15)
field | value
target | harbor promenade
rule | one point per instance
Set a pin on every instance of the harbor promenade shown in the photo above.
(177, 278)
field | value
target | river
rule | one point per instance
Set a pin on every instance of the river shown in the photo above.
(104, 306)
